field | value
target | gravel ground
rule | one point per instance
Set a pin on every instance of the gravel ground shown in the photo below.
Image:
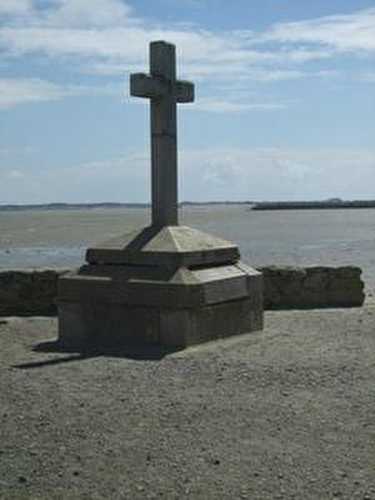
(283, 413)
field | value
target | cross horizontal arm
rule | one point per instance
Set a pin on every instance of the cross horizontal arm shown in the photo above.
(142, 85)
(184, 91)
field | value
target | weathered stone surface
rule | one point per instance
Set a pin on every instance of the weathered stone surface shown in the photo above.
(169, 246)
(33, 292)
(312, 287)
(174, 307)
(165, 91)
(109, 323)
(29, 292)
(179, 288)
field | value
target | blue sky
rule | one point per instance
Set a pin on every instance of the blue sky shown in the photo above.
(285, 99)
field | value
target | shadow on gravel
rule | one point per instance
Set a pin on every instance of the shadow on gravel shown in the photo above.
(137, 352)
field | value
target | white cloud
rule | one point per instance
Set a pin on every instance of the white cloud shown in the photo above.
(107, 36)
(15, 7)
(15, 174)
(79, 183)
(89, 13)
(349, 32)
(217, 105)
(205, 174)
(367, 77)
(14, 91)
(304, 54)
(104, 37)
(257, 174)
(18, 151)
(129, 44)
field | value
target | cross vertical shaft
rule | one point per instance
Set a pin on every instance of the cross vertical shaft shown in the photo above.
(165, 92)
(164, 140)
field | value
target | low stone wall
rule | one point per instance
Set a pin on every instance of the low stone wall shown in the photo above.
(26, 293)
(312, 287)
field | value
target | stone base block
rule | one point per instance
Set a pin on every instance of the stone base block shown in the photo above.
(175, 307)
(81, 323)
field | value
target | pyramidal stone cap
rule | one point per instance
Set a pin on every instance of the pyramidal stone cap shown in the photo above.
(167, 246)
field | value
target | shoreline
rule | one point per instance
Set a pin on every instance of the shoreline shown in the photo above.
(252, 205)
(110, 205)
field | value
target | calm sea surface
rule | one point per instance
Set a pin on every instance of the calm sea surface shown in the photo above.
(323, 237)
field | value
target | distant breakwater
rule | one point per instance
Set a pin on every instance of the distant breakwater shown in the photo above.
(312, 205)
(33, 292)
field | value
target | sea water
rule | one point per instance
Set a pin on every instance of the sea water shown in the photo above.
(58, 238)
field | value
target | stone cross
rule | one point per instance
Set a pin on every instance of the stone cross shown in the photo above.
(165, 92)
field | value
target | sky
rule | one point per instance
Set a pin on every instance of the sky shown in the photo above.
(284, 108)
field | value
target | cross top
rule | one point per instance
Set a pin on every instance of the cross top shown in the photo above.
(165, 91)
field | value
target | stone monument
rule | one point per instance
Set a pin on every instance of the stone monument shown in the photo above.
(166, 284)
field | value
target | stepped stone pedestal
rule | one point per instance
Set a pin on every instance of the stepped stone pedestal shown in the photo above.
(166, 283)
(174, 286)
